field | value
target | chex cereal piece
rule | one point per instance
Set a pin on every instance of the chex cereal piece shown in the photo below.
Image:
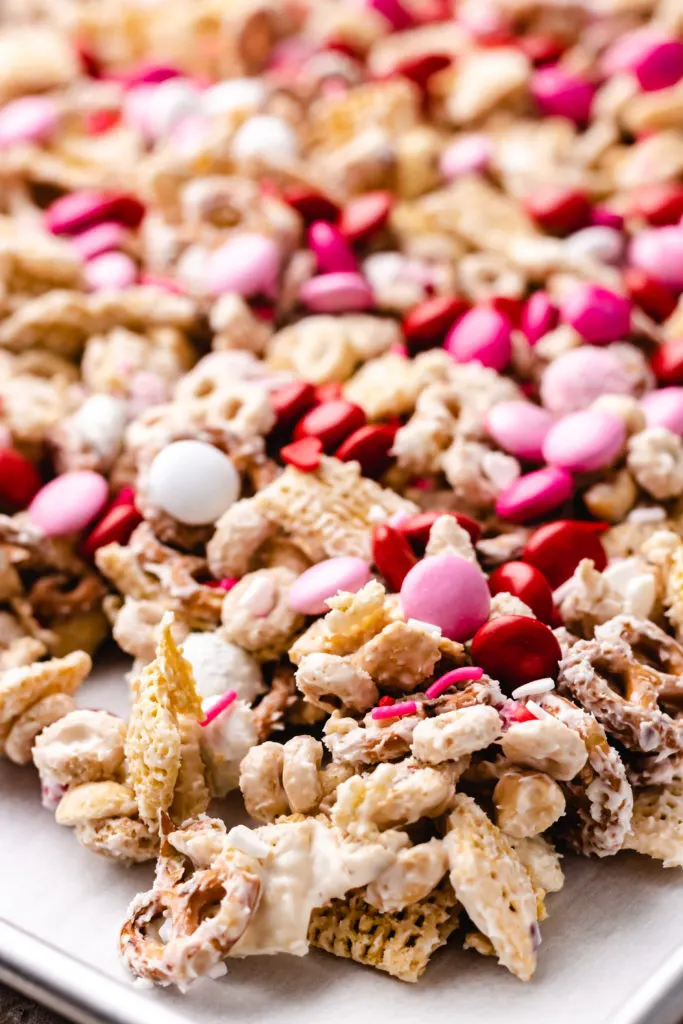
(152, 745)
(353, 619)
(657, 824)
(400, 943)
(191, 794)
(25, 729)
(126, 840)
(401, 656)
(257, 616)
(22, 687)
(492, 885)
(177, 672)
(95, 800)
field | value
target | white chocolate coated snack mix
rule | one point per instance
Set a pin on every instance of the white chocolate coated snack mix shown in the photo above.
(341, 383)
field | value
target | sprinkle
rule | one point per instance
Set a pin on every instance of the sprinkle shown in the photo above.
(536, 710)
(386, 701)
(225, 584)
(534, 687)
(409, 707)
(458, 675)
(651, 514)
(246, 840)
(219, 707)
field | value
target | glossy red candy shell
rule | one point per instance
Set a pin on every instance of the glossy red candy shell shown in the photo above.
(528, 584)
(557, 548)
(515, 650)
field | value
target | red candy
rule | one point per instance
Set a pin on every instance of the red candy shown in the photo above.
(558, 209)
(416, 528)
(97, 122)
(291, 401)
(19, 479)
(392, 555)
(428, 323)
(557, 548)
(515, 650)
(370, 446)
(331, 423)
(327, 392)
(541, 49)
(365, 214)
(526, 583)
(304, 454)
(80, 210)
(115, 527)
(653, 297)
(667, 362)
(422, 66)
(311, 205)
(659, 203)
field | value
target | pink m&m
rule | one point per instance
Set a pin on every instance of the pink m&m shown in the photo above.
(659, 253)
(469, 154)
(310, 591)
(574, 380)
(597, 314)
(331, 249)
(28, 119)
(659, 65)
(247, 264)
(584, 441)
(559, 93)
(519, 428)
(80, 210)
(341, 292)
(69, 502)
(482, 335)
(102, 238)
(538, 316)
(534, 494)
(449, 592)
(111, 270)
(664, 408)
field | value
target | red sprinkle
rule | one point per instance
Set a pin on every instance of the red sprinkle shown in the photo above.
(115, 527)
(386, 701)
(428, 323)
(19, 479)
(409, 707)
(369, 445)
(331, 422)
(219, 707)
(392, 555)
(416, 528)
(515, 649)
(558, 209)
(556, 549)
(458, 675)
(667, 362)
(528, 584)
(304, 454)
(291, 401)
(653, 297)
(365, 214)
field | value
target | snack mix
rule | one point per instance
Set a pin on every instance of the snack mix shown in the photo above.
(342, 384)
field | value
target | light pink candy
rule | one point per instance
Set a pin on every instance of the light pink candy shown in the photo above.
(470, 154)
(628, 48)
(534, 495)
(449, 592)
(28, 119)
(247, 264)
(69, 502)
(561, 94)
(574, 380)
(103, 238)
(659, 252)
(597, 314)
(538, 316)
(519, 428)
(332, 251)
(585, 441)
(336, 293)
(110, 271)
(482, 335)
(310, 591)
(664, 408)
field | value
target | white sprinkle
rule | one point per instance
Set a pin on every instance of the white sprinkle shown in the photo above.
(247, 841)
(537, 710)
(217, 971)
(377, 514)
(651, 514)
(535, 686)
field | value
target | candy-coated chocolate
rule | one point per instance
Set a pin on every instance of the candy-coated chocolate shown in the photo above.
(340, 292)
(482, 335)
(527, 583)
(105, 237)
(331, 422)
(370, 446)
(365, 214)
(654, 298)
(28, 119)
(534, 494)
(68, 503)
(559, 93)
(468, 154)
(667, 362)
(392, 555)
(539, 316)
(304, 454)
(597, 314)
(659, 252)
(310, 591)
(111, 271)
(556, 549)
(574, 380)
(115, 527)
(19, 479)
(427, 323)
(520, 428)
(558, 209)
(80, 210)
(292, 400)
(515, 649)
(193, 481)
(416, 528)
(584, 441)
(664, 408)
(247, 263)
(449, 592)
(331, 249)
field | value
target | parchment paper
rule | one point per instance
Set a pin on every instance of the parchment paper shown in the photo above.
(612, 925)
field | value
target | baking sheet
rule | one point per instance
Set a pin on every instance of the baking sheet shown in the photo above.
(611, 928)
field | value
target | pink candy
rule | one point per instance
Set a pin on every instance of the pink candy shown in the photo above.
(482, 335)
(469, 154)
(69, 502)
(449, 592)
(559, 93)
(519, 428)
(659, 65)
(80, 210)
(538, 316)
(28, 119)
(342, 292)
(659, 252)
(664, 408)
(247, 264)
(574, 380)
(598, 315)
(110, 271)
(393, 10)
(102, 238)
(585, 441)
(331, 249)
(534, 495)
(407, 707)
(310, 591)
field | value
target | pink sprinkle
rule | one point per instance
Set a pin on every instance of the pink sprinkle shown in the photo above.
(409, 707)
(458, 675)
(225, 584)
(219, 707)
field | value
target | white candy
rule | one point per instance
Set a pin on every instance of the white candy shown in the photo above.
(170, 103)
(265, 136)
(194, 482)
(236, 94)
(599, 243)
(218, 665)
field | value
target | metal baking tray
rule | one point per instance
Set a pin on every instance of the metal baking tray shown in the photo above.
(612, 946)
